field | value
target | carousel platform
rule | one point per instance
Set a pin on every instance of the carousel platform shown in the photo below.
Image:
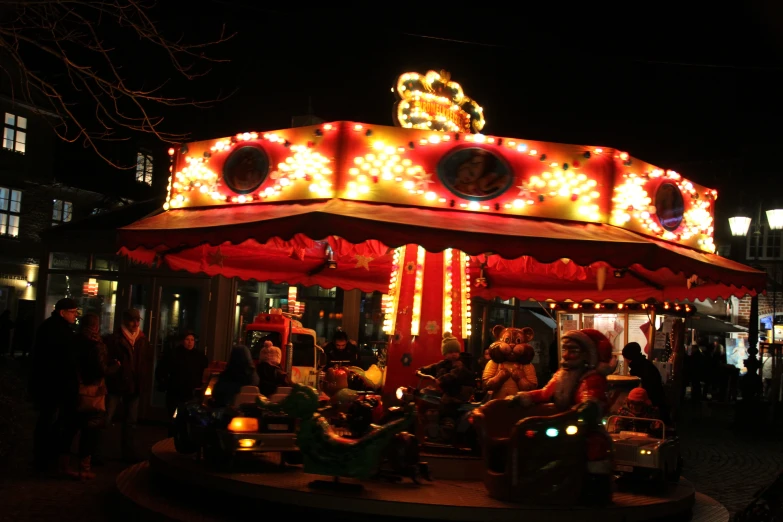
(172, 486)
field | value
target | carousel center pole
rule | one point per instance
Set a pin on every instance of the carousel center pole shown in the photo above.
(429, 294)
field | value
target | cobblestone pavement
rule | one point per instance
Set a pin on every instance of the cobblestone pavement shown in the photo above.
(730, 468)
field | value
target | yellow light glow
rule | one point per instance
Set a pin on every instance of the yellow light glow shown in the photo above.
(571, 430)
(448, 289)
(632, 203)
(392, 299)
(434, 102)
(243, 425)
(417, 291)
(464, 264)
(246, 443)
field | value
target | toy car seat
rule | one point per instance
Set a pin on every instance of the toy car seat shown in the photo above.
(494, 422)
(281, 393)
(246, 395)
(533, 459)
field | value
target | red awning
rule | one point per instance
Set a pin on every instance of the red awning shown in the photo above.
(652, 267)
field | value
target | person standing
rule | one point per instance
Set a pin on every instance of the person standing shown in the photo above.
(650, 377)
(49, 376)
(88, 413)
(127, 346)
(180, 372)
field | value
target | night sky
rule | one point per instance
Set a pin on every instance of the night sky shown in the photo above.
(696, 92)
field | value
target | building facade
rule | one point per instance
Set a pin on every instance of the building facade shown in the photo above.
(39, 192)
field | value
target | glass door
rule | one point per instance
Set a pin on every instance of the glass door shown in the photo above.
(180, 307)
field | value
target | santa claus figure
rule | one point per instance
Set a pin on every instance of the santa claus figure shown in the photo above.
(586, 361)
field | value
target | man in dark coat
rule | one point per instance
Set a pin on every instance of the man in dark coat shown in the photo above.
(52, 378)
(650, 376)
(341, 351)
(129, 347)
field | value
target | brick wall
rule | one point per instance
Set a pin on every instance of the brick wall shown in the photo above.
(765, 307)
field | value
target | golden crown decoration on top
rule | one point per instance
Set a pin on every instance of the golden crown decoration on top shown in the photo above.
(433, 102)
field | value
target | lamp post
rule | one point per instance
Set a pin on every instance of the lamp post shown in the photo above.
(740, 226)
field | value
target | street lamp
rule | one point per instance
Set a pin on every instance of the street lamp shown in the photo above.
(775, 218)
(740, 226)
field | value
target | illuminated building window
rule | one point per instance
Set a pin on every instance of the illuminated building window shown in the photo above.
(62, 212)
(765, 245)
(10, 207)
(15, 133)
(144, 168)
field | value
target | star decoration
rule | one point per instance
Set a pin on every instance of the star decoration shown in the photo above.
(407, 359)
(524, 191)
(363, 261)
(215, 258)
(298, 253)
(410, 267)
(422, 180)
(432, 327)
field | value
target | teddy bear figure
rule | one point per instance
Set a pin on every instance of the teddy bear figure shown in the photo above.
(509, 370)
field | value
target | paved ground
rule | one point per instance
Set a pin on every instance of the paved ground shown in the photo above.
(728, 467)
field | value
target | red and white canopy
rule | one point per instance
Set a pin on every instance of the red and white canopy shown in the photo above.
(521, 257)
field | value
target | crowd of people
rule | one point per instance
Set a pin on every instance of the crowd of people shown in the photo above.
(82, 381)
(708, 373)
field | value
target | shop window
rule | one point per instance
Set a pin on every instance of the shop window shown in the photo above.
(69, 261)
(611, 325)
(371, 319)
(62, 212)
(15, 133)
(105, 263)
(144, 168)
(98, 296)
(10, 208)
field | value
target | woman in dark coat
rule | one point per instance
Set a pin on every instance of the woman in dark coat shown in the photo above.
(239, 372)
(180, 372)
(88, 386)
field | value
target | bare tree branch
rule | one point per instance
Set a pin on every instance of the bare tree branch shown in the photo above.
(91, 40)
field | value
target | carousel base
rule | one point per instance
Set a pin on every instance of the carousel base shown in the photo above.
(178, 487)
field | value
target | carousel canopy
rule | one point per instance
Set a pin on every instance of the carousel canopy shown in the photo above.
(326, 204)
(525, 258)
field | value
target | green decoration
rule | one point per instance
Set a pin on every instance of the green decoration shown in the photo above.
(326, 453)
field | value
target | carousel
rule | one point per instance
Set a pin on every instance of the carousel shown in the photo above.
(432, 213)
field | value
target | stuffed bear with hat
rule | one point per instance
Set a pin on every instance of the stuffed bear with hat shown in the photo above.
(510, 369)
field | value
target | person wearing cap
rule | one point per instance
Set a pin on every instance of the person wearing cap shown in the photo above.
(638, 406)
(270, 374)
(451, 374)
(53, 382)
(129, 347)
(648, 373)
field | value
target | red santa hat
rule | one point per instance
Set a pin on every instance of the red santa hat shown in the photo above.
(597, 347)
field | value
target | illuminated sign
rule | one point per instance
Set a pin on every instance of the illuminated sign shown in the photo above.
(434, 102)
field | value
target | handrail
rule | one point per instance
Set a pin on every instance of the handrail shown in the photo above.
(663, 424)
